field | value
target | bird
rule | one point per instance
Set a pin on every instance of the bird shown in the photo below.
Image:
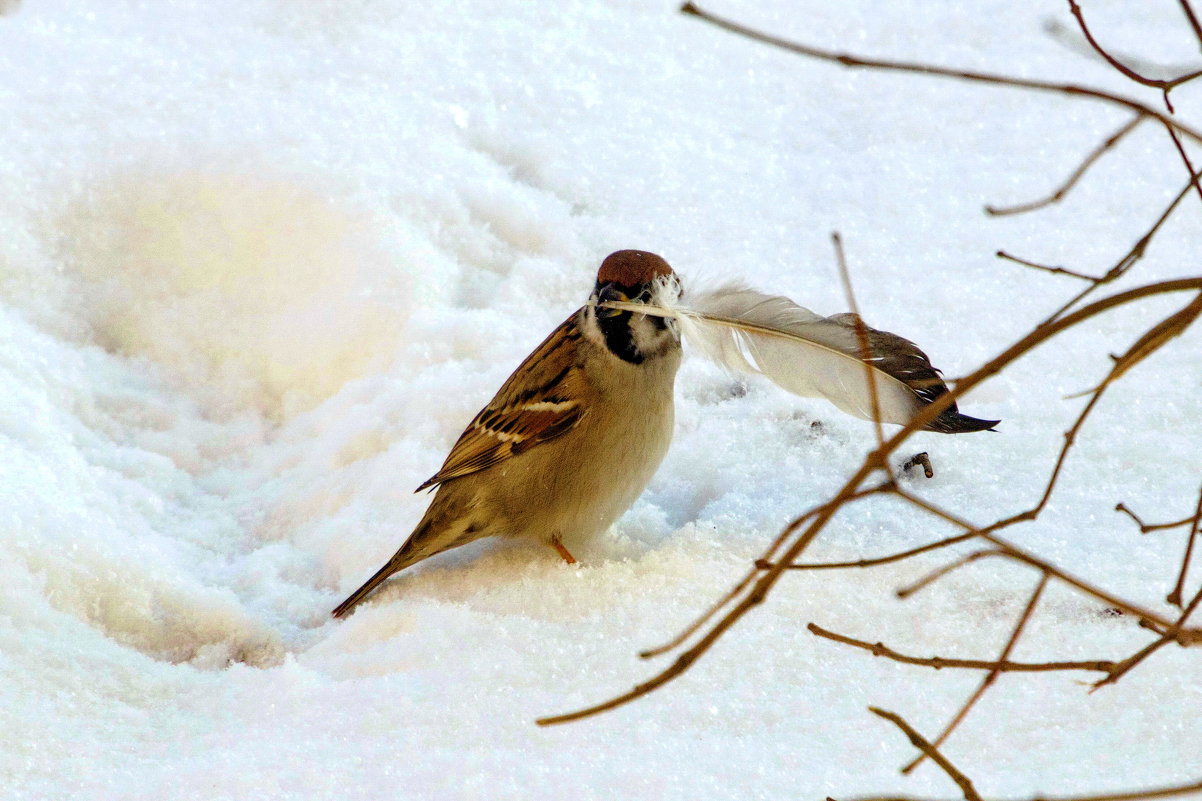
(573, 436)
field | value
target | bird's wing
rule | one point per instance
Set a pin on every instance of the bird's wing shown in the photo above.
(539, 402)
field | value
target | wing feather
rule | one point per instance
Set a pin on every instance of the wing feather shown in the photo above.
(811, 355)
(540, 401)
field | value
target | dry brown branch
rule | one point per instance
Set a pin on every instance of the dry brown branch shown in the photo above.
(1066, 187)
(1174, 597)
(796, 538)
(1165, 86)
(1007, 550)
(760, 588)
(705, 617)
(941, 662)
(847, 60)
(1001, 254)
(1144, 528)
(1193, 20)
(1183, 636)
(1166, 637)
(928, 749)
(1137, 795)
(946, 542)
(935, 575)
(856, 62)
(990, 677)
(1027, 515)
(1156, 334)
(1132, 256)
(1151, 341)
(1185, 159)
(862, 339)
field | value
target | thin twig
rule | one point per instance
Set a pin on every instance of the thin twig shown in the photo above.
(990, 677)
(1150, 341)
(922, 744)
(941, 662)
(1001, 254)
(935, 575)
(1185, 159)
(946, 542)
(759, 589)
(1008, 550)
(862, 339)
(1183, 635)
(760, 564)
(1066, 187)
(1193, 20)
(1174, 597)
(1144, 528)
(1165, 86)
(855, 62)
(1166, 637)
(1132, 256)
(1137, 795)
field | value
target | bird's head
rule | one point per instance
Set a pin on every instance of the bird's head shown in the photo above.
(634, 277)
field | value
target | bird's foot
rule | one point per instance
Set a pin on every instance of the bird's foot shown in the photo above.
(567, 556)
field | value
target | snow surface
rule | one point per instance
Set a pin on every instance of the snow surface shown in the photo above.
(261, 261)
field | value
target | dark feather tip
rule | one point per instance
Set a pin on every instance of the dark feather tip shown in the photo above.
(952, 422)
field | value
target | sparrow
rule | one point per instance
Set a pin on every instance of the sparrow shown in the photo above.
(571, 438)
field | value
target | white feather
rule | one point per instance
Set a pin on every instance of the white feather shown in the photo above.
(807, 354)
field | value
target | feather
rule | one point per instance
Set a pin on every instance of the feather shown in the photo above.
(808, 354)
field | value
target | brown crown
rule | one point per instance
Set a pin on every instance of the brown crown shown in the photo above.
(632, 268)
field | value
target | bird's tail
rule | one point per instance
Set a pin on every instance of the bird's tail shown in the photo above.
(422, 543)
(373, 582)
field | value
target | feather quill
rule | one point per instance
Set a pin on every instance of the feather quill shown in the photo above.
(808, 354)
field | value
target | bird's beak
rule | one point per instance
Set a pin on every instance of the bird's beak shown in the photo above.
(610, 292)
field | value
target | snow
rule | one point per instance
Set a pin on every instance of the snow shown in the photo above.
(260, 262)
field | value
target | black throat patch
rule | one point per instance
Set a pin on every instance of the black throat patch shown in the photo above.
(619, 338)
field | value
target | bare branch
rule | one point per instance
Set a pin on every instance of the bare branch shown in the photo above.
(760, 588)
(1001, 254)
(1066, 187)
(1185, 159)
(862, 338)
(1134, 255)
(1164, 86)
(1174, 597)
(1193, 20)
(760, 564)
(852, 61)
(941, 662)
(990, 677)
(1167, 636)
(1151, 341)
(879, 560)
(1137, 795)
(1144, 528)
(935, 575)
(919, 742)
(1183, 635)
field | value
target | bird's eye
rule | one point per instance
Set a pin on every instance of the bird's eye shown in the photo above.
(610, 292)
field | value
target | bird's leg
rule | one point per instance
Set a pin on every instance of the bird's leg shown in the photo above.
(558, 546)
